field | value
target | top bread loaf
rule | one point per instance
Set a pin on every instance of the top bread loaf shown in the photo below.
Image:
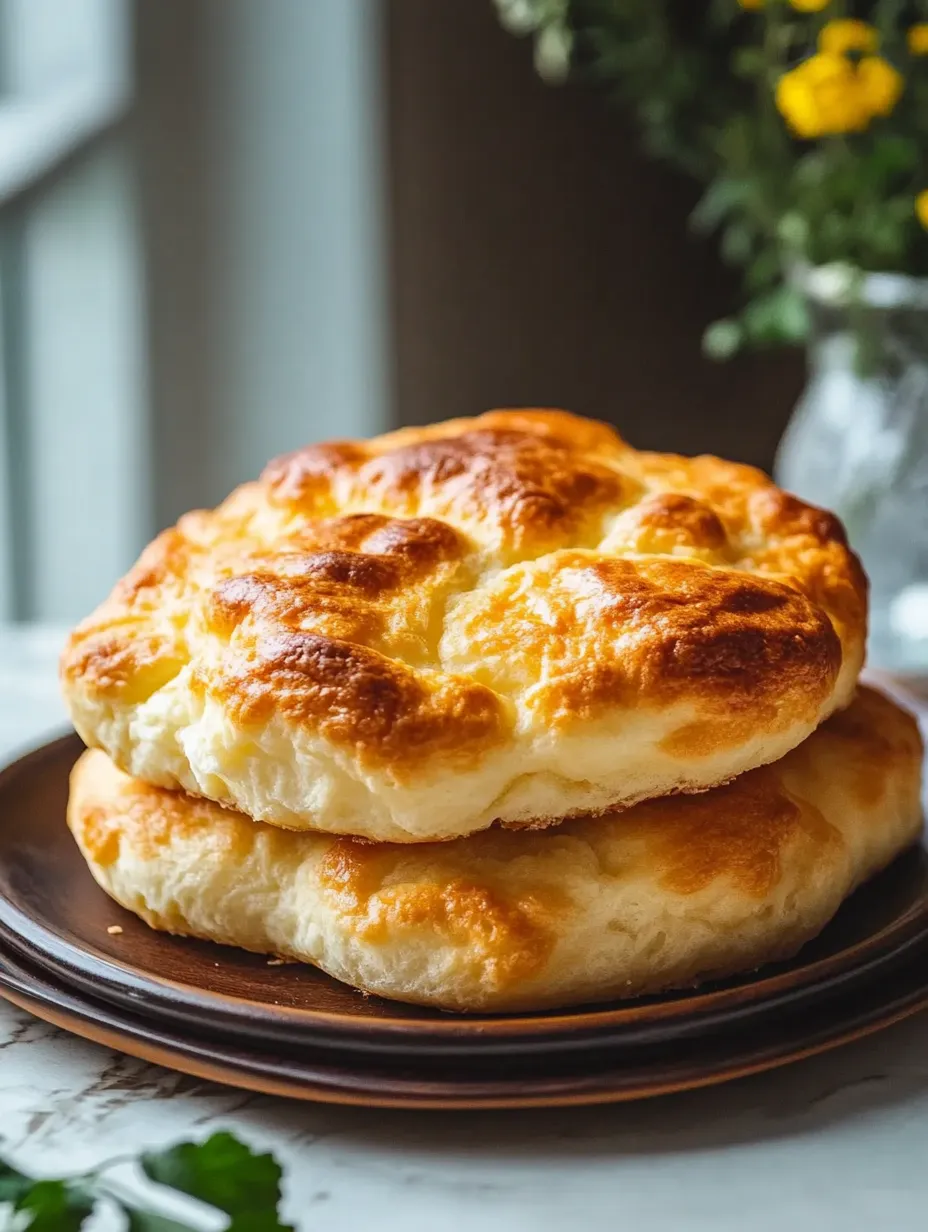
(514, 618)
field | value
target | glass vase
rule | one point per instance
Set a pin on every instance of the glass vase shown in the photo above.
(858, 443)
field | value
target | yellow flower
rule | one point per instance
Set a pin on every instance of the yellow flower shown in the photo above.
(921, 208)
(918, 39)
(830, 93)
(880, 83)
(822, 96)
(847, 34)
(809, 6)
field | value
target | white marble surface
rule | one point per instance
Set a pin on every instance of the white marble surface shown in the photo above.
(838, 1142)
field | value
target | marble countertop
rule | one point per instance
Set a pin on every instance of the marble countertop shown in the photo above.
(836, 1142)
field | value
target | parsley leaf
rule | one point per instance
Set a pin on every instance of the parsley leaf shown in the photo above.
(259, 1221)
(54, 1206)
(221, 1172)
(139, 1220)
(224, 1173)
(13, 1184)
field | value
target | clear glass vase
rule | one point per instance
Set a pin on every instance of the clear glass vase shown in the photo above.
(858, 443)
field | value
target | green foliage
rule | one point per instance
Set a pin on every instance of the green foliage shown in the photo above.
(222, 1173)
(701, 77)
(13, 1185)
(54, 1206)
(225, 1174)
(138, 1220)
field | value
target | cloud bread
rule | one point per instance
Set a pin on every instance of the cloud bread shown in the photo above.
(513, 618)
(669, 893)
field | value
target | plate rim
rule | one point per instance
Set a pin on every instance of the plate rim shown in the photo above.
(661, 1018)
(584, 1029)
(127, 1034)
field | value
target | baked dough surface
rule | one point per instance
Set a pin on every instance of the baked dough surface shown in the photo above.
(517, 617)
(667, 894)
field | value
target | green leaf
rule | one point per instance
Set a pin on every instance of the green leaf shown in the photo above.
(13, 1184)
(811, 169)
(224, 1173)
(521, 16)
(717, 202)
(722, 13)
(552, 53)
(793, 231)
(722, 339)
(139, 1220)
(221, 1172)
(766, 268)
(737, 243)
(55, 1206)
(892, 155)
(749, 62)
(779, 316)
(255, 1222)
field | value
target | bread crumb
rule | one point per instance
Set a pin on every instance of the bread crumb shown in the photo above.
(276, 962)
(114, 930)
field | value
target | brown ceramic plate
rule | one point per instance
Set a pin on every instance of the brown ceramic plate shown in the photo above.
(53, 915)
(599, 1076)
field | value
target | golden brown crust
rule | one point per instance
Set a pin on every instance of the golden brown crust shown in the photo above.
(667, 893)
(617, 632)
(360, 699)
(418, 605)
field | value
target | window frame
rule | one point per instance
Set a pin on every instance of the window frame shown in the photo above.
(56, 105)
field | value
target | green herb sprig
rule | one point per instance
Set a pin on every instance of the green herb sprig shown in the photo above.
(797, 171)
(222, 1174)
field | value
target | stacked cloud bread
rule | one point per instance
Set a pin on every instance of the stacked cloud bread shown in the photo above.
(497, 714)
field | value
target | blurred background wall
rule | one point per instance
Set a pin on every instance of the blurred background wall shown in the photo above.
(538, 257)
(231, 226)
(260, 138)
